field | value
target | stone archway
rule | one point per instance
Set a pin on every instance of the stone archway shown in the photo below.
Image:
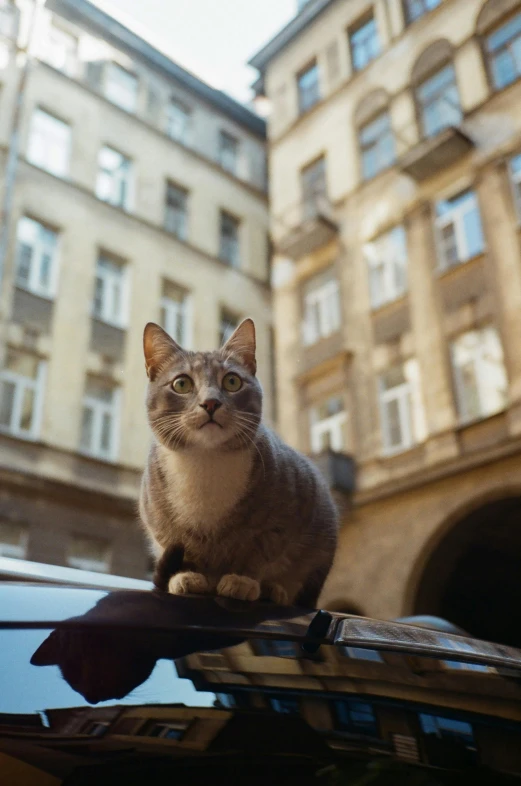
(473, 576)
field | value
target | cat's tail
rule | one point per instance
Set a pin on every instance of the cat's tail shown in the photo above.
(169, 563)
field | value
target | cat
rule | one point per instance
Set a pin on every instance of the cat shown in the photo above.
(244, 515)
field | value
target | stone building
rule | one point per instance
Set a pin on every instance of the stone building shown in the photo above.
(139, 195)
(395, 170)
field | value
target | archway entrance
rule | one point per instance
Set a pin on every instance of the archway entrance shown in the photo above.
(473, 577)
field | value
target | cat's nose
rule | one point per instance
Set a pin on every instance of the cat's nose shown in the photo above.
(210, 405)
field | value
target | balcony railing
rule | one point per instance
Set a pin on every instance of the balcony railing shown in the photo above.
(338, 469)
(305, 227)
(441, 145)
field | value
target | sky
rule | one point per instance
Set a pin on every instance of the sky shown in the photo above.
(212, 38)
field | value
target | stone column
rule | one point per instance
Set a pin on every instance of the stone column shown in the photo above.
(430, 342)
(500, 222)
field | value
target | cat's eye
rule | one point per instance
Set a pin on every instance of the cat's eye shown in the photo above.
(232, 382)
(182, 384)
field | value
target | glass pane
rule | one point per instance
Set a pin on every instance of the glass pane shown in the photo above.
(106, 432)
(24, 259)
(308, 88)
(86, 428)
(121, 87)
(473, 232)
(98, 296)
(86, 548)
(449, 245)
(7, 392)
(27, 413)
(177, 122)
(394, 428)
(45, 270)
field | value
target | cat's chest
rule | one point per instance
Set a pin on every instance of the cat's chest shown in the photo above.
(202, 488)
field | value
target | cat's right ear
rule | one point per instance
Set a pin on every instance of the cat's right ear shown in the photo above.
(159, 348)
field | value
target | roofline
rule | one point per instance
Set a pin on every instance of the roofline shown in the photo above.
(294, 28)
(83, 11)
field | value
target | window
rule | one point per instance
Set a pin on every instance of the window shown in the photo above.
(414, 9)
(99, 420)
(228, 152)
(401, 407)
(377, 145)
(13, 539)
(504, 53)
(515, 176)
(355, 716)
(176, 314)
(49, 143)
(121, 87)
(60, 50)
(167, 731)
(365, 44)
(458, 229)
(438, 100)
(178, 122)
(276, 648)
(176, 211)
(95, 728)
(461, 646)
(229, 240)
(88, 553)
(284, 705)
(479, 374)
(21, 394)
(114, 178)
(308, 88)
(110, 295)
(328, 423)
(228, 323)
(359, 653)
(321, 309)
(314, 186)
(7, 18)
(446, 728)
(36, 257)
(387, 262)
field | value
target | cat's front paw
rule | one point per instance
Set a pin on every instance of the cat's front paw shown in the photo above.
(239, 587)
(188, 583)
(274, 592)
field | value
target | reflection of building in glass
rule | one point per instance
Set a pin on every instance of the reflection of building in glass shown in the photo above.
(138, 188)
(395, 139)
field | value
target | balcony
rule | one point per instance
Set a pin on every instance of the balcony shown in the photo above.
(443, 143)
(338, 469)
(305, 228)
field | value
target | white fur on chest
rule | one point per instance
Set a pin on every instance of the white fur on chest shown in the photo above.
(204, 486)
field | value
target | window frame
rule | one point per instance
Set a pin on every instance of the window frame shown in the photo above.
(18, 551)
(98, 410)
(456, 218)
(81, 563)
(305, 106)
(487, 54)
(35, 267)
(55, 33)
(438, 98)
(121, 320)
(356, 28)
(426, 10)
(121, 180)
(376, 145)
(228, 143)
(234, 260)
(515, 184)
(21, 383)
(335, 425)
(114, 67)
(63, 170)
(228, 323)
(321, 311)
(410, 406)
(174, 310)
(392, 269)
(184, 137)
(179, 228)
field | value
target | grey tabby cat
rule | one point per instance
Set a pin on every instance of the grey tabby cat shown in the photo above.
(253, 517)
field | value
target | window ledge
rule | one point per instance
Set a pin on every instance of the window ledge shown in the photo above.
(48, 297)
(463, 425)
(398, 453)
(115, 325)
(390, 305)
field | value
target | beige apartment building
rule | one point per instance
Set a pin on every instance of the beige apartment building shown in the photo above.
(139, 195)
(395, 171)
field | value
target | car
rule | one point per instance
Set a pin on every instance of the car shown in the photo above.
(99, 686)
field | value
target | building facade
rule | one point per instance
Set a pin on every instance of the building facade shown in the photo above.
(395, 141)
(139, 195)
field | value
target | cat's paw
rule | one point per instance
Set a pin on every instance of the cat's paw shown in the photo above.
(188, 583)
(239, 587)
(274, 592)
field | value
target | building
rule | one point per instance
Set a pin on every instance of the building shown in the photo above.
(395, 164)
(139, 195)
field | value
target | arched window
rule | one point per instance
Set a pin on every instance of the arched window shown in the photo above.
(436, 89)
(500, 28)
(375, 135)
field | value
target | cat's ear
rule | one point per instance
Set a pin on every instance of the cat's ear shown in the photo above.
(159, 348)
(242, 344)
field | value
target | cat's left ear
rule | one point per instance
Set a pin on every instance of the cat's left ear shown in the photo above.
(159, 348)
(242, 344)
